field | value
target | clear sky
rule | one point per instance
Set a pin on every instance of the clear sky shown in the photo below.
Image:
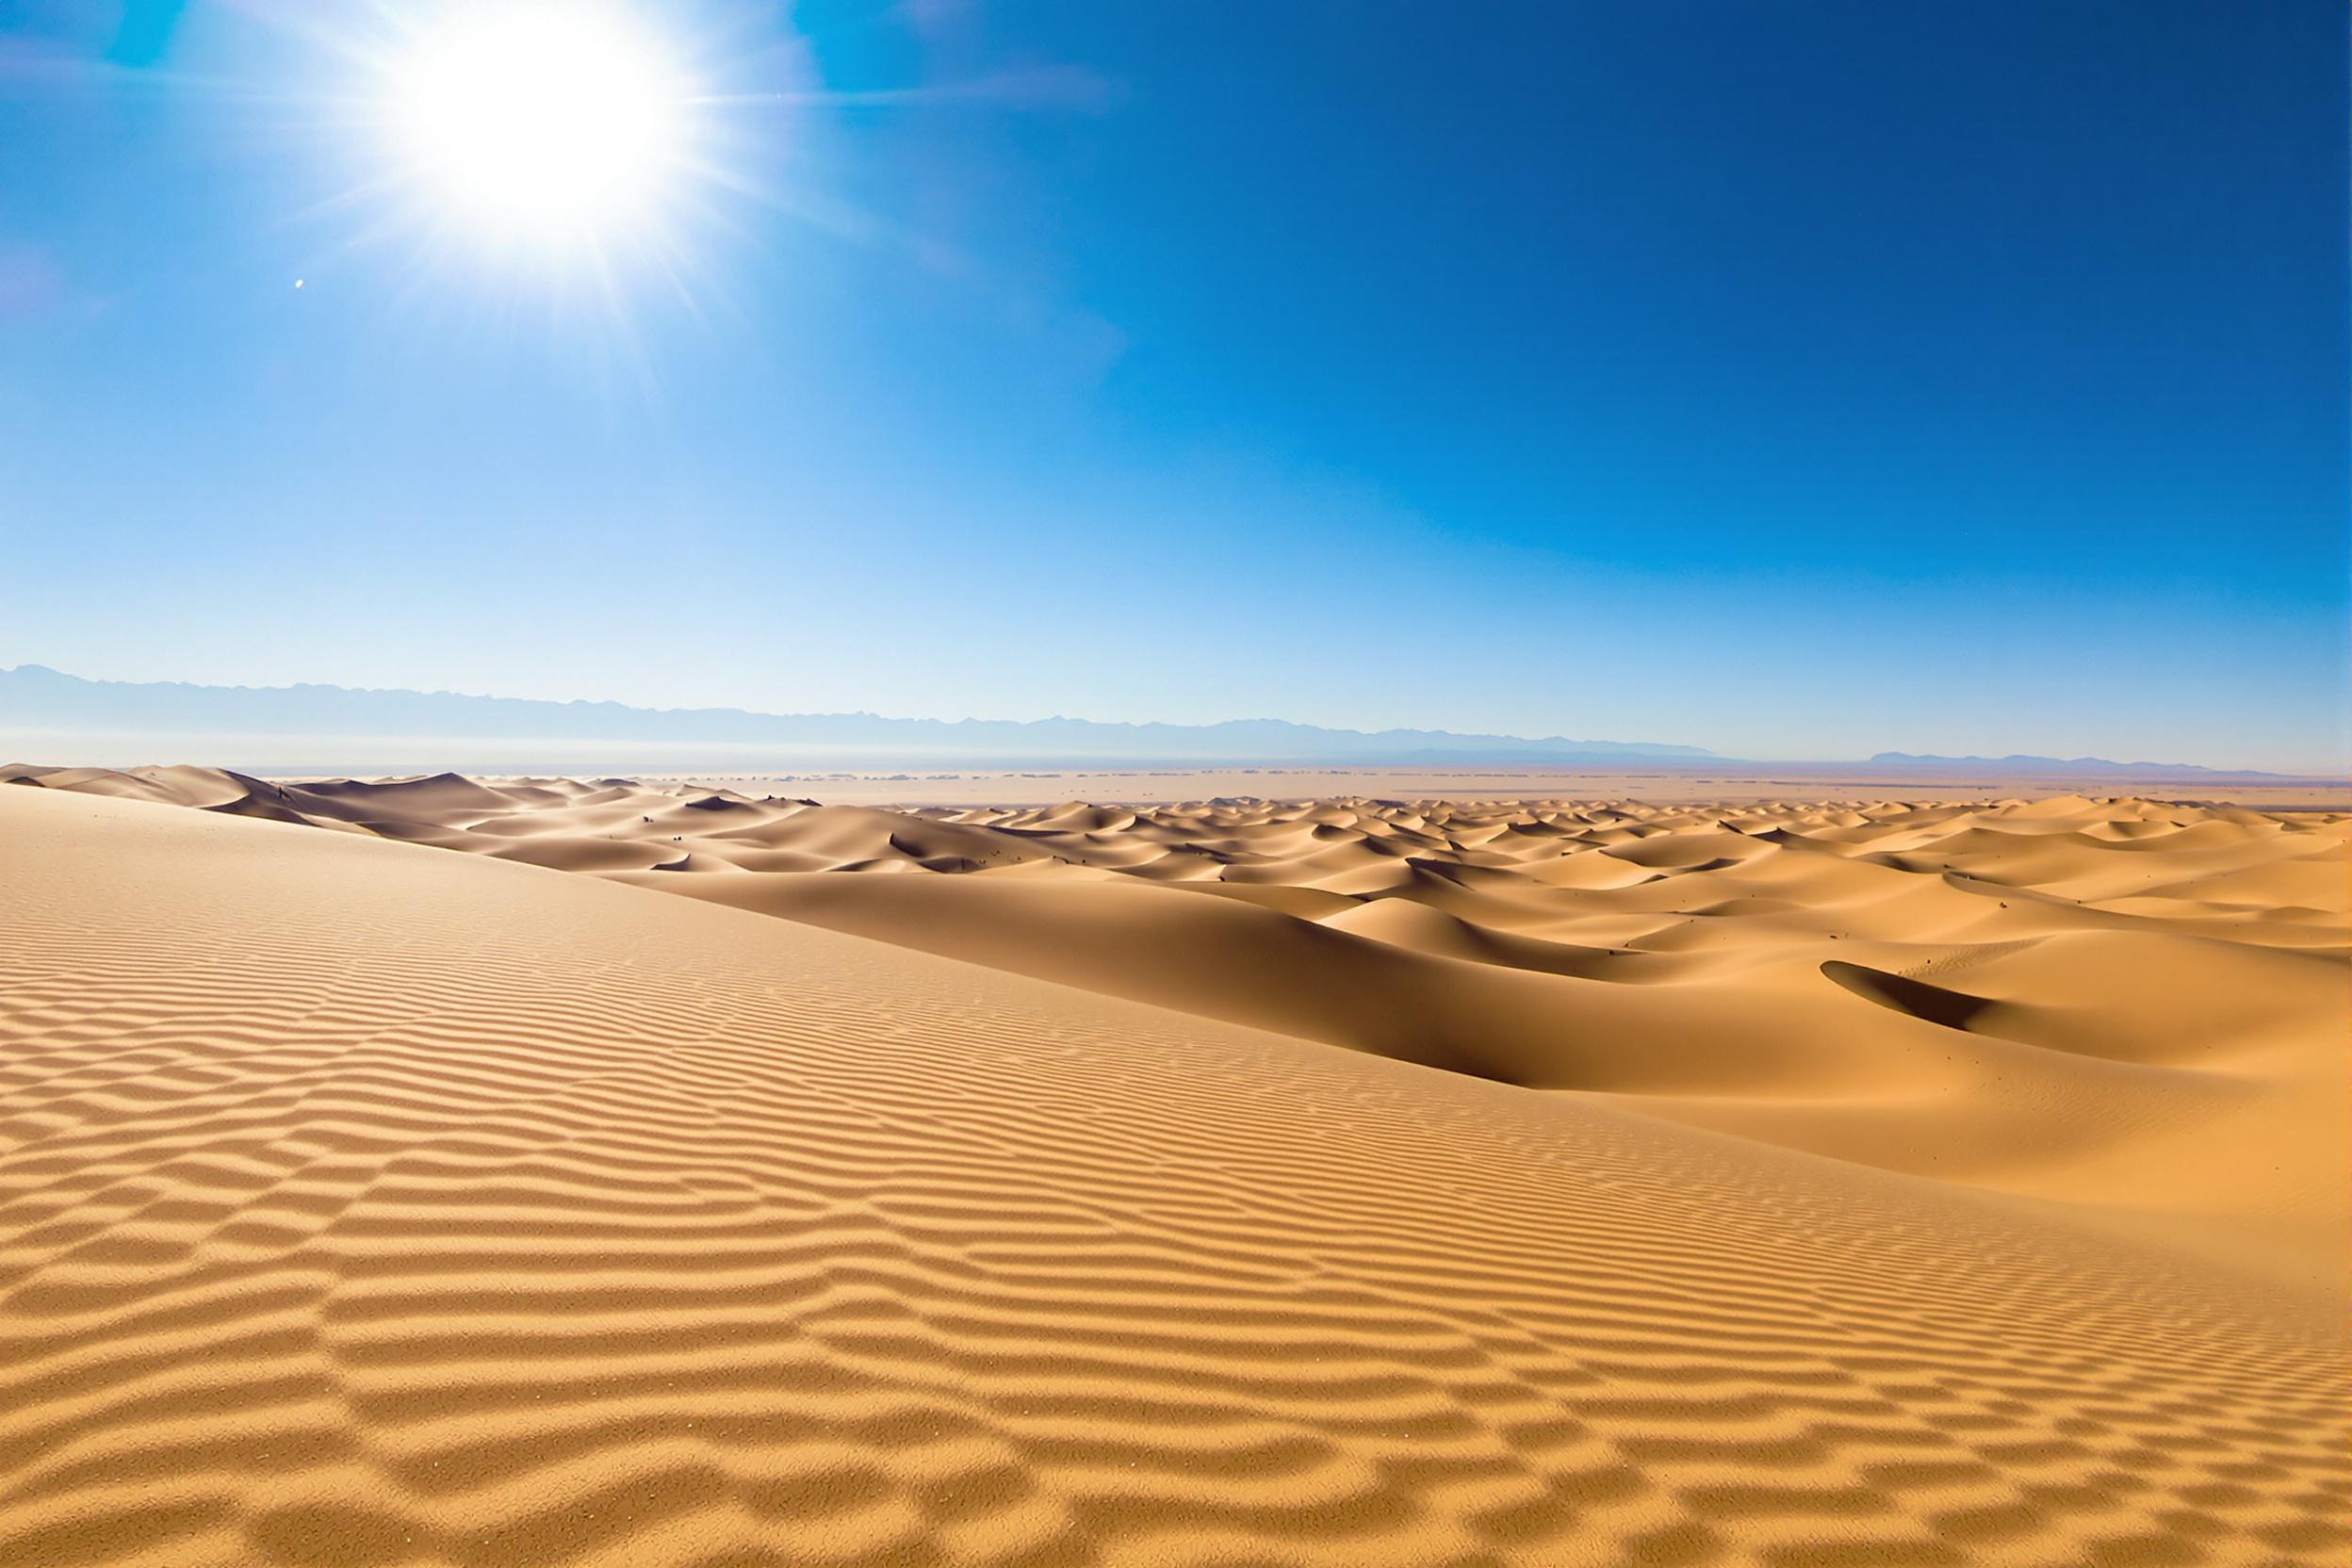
(1788, 379)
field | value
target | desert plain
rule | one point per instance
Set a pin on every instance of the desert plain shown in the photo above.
(692, 1175)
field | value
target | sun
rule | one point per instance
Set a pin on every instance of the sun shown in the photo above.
(540, 120)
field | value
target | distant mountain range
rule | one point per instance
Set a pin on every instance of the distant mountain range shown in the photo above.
(308, 727)
(34, 698)
(2071, 766)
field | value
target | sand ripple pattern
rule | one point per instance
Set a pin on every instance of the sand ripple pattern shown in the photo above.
(361, 1205)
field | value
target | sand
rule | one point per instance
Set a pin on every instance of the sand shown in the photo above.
(1331, 1181)
(1688, 783)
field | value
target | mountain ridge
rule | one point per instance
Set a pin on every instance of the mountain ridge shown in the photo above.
(2029, 762)
(42, 701)
(36, 695)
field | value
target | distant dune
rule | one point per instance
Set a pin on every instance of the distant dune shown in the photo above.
(1327, 1183)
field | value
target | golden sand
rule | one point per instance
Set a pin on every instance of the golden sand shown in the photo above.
(1326, 1183)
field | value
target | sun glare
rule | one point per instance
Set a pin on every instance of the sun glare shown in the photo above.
(542, 122)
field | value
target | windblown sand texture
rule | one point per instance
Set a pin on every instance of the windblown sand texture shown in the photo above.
(1242, 1182)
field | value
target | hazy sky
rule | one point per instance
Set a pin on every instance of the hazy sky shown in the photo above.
(1789, 379)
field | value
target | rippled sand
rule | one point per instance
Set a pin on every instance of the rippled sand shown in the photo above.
(1340, 1182)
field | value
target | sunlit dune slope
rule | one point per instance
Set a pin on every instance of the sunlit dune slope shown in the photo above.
(2102, 1003)
(365, 1205)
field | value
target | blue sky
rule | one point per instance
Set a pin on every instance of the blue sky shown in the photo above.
(1797, 380)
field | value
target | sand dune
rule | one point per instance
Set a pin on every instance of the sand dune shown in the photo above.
(2065, 997)
(1336, 1181)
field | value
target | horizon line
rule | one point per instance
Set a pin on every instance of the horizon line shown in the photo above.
(1634, 751)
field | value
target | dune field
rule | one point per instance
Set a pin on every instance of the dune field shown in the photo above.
(1232, 1181)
